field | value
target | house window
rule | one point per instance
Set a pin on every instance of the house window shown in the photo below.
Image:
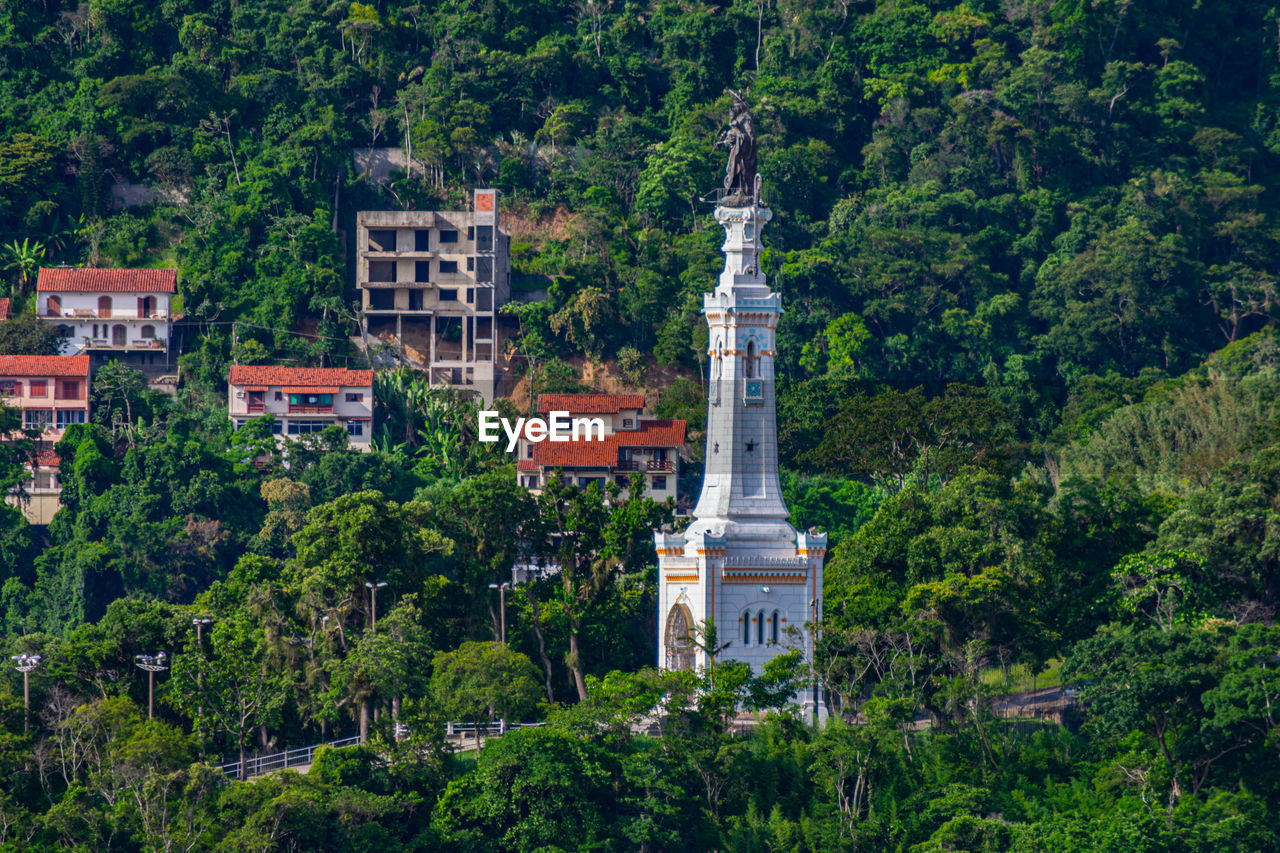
(471, 264)
(69, 390)
(448, 294)
(422, 271)
(67, 417)
(355, 398)
(39, 388)
(659, 454)
(9, 387)
(746, 628)
(471, 232)
(760, 629)
(279, 396)
(422, 240)
(39, 419)
(587, 482)
(448, 236)
(239, 424)
(529, 449)
(448, 267)
(306, 427)
(659, 483)
(773, 628)
(310, 399)
(628, 423)
(621, 480)
(355, 427)
(276, 426)
(65, 331)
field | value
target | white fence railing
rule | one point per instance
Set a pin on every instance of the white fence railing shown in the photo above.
(300, 757)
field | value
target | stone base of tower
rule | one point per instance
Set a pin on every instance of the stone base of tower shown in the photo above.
(760, 586)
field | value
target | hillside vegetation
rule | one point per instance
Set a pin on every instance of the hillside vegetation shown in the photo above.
(1028, 256)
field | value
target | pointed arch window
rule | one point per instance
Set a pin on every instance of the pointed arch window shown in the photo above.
(760, 629)
(773, 628)
(746, 628)
(750, 371)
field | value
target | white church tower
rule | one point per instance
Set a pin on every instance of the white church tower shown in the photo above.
(740, 565)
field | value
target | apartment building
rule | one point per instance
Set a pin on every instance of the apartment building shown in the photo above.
(304, 400)
(122, 315)
(431, 283)
(53, 392)
(631, 443)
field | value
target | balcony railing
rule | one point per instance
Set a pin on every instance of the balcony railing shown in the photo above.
(659, 465)
(627, 465)
(257, 408)
(299, 409)
(108, 314)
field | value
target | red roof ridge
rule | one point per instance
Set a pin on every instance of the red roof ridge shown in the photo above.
(275, 374)
(44, 365)
(589, 404)
(86, 279)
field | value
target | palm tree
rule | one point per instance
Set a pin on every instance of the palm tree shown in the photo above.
(25, 257)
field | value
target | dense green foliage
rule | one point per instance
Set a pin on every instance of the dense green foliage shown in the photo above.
(1028, 375)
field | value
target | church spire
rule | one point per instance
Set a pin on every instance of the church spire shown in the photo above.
(740, 565)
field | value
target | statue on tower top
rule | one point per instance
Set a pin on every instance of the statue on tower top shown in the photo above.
(740, 138)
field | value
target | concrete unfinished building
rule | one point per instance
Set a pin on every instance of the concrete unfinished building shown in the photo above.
(431, 283)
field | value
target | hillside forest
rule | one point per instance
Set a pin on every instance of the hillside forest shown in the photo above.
(1028, 254)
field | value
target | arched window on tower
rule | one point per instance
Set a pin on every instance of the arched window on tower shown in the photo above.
(773, 628)
(750, 371)
(760, 629)
(746, 628)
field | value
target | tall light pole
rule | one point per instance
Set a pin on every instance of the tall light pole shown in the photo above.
(24, 664)
(373, 592)
(502, 606)
(200, 622)
(152, 664)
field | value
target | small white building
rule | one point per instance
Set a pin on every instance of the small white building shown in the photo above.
(109, 313)
(631, 443)
(304, 400)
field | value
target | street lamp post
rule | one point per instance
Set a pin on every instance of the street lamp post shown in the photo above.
(24, 664)
(200, 622)
(502, 607)
(152, 664)
(373, 592)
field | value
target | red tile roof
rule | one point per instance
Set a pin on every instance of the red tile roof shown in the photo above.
(78, 279)
(4, 308)
(604, 454)
(273, 374)
(589, 404)
(48, 459)
(44, 365)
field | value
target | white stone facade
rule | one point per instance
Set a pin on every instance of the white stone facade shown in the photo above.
(740, 564)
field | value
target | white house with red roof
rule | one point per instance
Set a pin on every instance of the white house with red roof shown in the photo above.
(53, 392)
(304, 400)
(109, 313)
(631, 443)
